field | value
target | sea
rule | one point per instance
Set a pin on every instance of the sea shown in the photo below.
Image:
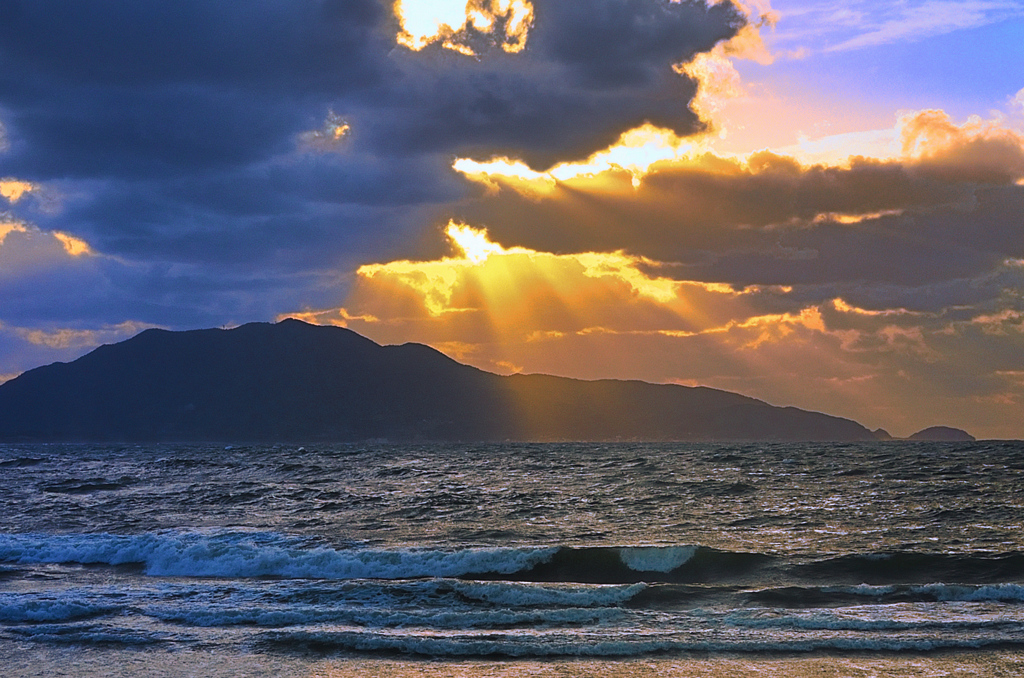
(463, 560)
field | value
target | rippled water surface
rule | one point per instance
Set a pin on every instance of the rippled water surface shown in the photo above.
(522, 552)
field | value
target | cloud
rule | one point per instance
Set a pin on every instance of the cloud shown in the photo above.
(25, 247)
(298, 139)
(462, 26)
(65, 338)
(915, 21)
(489, 293)
(25, 346)
(159, 89)
(823, 26)
(768, 219)
(13, 190)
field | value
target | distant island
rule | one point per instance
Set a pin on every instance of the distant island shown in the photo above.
(943, 434)
(293, 381)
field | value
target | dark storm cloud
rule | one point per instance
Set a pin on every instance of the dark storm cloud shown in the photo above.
(590, 71)
(117, 87)
(325, 45)
(175, 130)
(114, 86)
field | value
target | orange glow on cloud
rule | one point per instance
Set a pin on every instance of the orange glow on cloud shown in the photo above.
(6, 228)
(638, 149)
(490, 265)
(489, 301)
(717, 79)
(926, 144)
(73, 338)
(13, 189)
(425, 22)
(330, 136)
(75, 247)
(69, 244)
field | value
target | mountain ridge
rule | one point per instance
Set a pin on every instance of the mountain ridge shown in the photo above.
(292, 381)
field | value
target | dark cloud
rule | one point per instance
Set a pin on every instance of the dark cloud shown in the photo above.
(179, 131)
(324, 45)
(628, 43)
(590, 71)
(109, 87)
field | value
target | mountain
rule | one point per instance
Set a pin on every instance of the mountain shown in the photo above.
(292, 381)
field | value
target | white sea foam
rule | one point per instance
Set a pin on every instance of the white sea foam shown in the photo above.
(827, 622)
(656, 558)
(256, 555)
(991, 592)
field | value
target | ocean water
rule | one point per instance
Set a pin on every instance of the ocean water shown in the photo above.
(892, 558)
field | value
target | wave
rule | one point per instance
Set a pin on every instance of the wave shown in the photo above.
(909, 567)
(383, 618)
(15, 609)
(20, 462)
(243, 554)
(89, 634)
(248, 554)
(800, 597)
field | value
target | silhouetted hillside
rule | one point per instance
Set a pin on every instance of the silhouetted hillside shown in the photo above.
(294, 381)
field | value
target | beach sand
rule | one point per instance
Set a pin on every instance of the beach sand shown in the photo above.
(36, 660)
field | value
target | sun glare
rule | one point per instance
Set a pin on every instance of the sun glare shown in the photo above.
(472, 242)
(451, 22)
(635, 152)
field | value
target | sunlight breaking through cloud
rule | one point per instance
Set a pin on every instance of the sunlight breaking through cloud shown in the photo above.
(635, 152)
(452, 23)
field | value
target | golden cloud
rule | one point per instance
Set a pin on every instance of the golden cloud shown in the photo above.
(659, 196)
(6, 228)
(63, 338)
(330, 137)
(13, 189)
(35, 248)
(487, 301)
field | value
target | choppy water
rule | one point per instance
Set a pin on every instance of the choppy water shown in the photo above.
(513, 551)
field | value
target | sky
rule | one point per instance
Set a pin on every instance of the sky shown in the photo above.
(814, 203)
